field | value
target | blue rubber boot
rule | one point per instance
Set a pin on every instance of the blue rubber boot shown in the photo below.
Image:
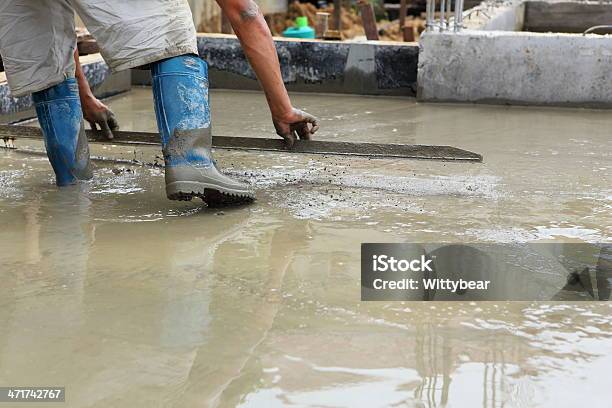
(180, 91)
(59, 112)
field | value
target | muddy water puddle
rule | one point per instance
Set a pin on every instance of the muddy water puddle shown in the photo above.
(131, 300)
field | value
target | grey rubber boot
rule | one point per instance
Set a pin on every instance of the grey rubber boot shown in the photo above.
(191, 171)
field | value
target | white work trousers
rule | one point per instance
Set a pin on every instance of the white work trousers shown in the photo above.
(37, 37)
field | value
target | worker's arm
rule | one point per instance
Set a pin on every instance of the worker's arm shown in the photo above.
(254, 35)
(94, 111)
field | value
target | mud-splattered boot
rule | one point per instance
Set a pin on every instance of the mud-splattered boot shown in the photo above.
(180, 91)
(59, 112)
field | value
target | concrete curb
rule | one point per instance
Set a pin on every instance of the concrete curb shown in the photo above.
(516, 68)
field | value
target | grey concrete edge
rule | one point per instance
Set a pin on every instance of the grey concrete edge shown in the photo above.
(517, 68)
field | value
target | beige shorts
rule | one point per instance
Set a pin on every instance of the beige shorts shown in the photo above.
(37, 37)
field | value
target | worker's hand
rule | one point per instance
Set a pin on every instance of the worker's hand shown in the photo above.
(98, 114)
(295, 124)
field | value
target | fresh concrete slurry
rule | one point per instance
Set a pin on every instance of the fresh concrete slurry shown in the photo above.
(129, 299)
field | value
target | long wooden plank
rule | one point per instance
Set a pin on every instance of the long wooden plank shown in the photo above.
(376, 150)
(566, 17)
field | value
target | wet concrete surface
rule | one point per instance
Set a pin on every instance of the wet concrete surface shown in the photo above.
(131, 300)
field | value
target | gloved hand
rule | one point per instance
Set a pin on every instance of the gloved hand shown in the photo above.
(296, 124)
(98, 114)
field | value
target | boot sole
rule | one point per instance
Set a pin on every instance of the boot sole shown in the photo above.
(213, 196)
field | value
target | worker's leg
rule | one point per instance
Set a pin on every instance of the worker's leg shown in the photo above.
(59, 112)
(37, 43)
(161, 33)
(134, 33)
(180, 91)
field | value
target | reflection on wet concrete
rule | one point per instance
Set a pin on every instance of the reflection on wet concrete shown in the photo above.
(131, 300)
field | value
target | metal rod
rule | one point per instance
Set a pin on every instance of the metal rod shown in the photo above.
(374, 150)
(442, 16)
(458, 15)
(429, 15)
(597, 27)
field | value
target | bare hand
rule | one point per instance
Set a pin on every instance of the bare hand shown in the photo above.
(98, 114)
(296, 124)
